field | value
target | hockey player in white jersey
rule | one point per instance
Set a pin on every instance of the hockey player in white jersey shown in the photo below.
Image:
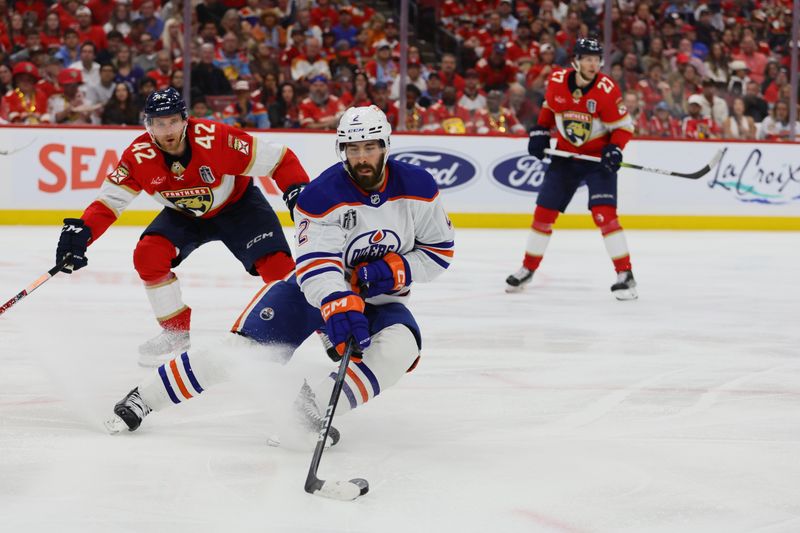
(366, 229)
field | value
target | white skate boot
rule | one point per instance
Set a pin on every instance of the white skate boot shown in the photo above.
(517, 281)
(163, 347)
(128, 413)
(625, 287)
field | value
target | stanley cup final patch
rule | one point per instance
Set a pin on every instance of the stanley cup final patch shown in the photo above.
(238, 144)
(206, 175)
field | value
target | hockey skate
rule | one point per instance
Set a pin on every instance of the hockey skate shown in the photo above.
(625, 287)
(128, 413)
(162, 347)
(517, 281)
(307, 422)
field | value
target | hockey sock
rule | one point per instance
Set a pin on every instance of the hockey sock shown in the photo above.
(392, 352)
(605, 217)
(152, 259)
(181, 379)
(539, 237)
(274, 266)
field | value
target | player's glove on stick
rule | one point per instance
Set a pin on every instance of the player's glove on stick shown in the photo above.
(75, 237)
(538, 140)
(343, 313)
(612, 158)
(388, 274)
(290, 197)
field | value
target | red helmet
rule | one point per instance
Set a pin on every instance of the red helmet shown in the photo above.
(26, 67)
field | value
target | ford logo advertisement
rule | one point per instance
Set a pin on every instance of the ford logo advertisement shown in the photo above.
(523, 174)
(448, 170)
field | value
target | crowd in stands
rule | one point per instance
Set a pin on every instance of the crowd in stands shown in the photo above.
(699, 69)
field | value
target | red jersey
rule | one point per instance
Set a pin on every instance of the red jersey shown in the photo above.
(453, 120)
(20, 108)
(311, 112)
(670, 129)
(223, 161)
(585, 119)
(504, 121)
(700, 128)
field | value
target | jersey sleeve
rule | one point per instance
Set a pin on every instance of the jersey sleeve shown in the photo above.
(433, 241)
(320, 267)
(615, 115)
(555, 83)
(118, 190)
(256, 156)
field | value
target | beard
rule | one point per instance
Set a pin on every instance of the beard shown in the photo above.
(366, 176)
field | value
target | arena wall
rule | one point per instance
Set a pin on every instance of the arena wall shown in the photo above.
(49, 173)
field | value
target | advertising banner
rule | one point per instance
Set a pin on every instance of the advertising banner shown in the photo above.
(485, 181)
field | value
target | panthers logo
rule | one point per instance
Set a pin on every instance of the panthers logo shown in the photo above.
(577, 127)
(196, 201)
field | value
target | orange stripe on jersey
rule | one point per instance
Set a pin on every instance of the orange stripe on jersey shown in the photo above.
(317, 263)
(360, 384)
(447, 253)
(410, 197)
(174, 367)
(238, 324)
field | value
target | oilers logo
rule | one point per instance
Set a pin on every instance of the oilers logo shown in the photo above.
(372, 245)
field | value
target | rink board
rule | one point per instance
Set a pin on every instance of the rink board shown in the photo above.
(491, 182)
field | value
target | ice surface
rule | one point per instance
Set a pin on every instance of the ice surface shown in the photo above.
(558, 409)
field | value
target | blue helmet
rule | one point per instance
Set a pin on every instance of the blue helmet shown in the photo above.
(588, 46)
(164, 103)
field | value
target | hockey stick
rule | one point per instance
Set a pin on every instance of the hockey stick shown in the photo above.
(32, 287)
(337, 490)
(690, 175)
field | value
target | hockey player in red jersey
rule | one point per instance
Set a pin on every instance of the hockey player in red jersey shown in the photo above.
(202, 172)
(586, 108)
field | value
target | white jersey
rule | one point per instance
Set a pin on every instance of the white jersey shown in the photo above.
(340, 226)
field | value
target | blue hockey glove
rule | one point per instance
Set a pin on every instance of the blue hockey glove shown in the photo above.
(75, 237)
(538, 140)
(343, 313)
(612, 159)
(388, 274)
(290, 197)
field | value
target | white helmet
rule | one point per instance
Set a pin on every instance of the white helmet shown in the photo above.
(366, 123)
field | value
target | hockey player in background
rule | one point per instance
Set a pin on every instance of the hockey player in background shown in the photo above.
(202, 172)
(587, 110)
(366, 228)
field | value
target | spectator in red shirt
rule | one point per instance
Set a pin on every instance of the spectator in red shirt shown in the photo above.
(651, 90)
(324, 15)
(538, 74)
(662, 124)
(163, 71)
(51, 33)
(87, 31)
(446, 116)
(448, 73)
(25, 104)
(568, 35)
(496, 118)
(497, 72)
(35, 7)
(694, 125)
(321, 110)
(755, 60)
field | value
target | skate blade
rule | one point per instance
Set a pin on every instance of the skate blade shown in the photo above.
(511, 289)
(115, 425)
(626, 294)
